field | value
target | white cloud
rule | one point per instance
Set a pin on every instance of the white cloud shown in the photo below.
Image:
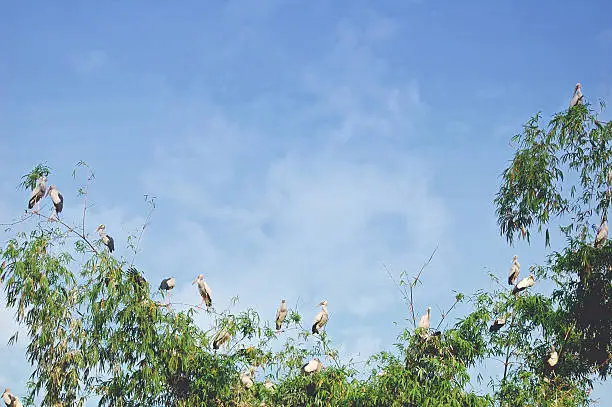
(304, 221)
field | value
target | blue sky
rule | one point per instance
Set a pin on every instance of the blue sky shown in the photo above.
(294, 147)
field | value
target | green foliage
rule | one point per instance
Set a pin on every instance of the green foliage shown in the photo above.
(94, 328)
(29, 180)
(560, 171)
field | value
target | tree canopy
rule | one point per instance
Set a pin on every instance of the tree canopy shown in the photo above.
(95, 329)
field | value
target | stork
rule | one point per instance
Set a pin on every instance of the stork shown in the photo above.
(577, 98)
(515, 269)
(38, 193)
(313, 366)
(281, 314)
(106, 239)
(321, 318)
(167, 284)
(222, 337)
(524, 284)
(247, 378)
(57, 198)
(553, 357)
(204, 290)
(497, 324)
(424, 323)
(10, 399)
(268, 384)
(602, 232)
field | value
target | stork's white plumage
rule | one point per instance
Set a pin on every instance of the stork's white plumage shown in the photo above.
(57, 198)
(38, 192)
(577, 97)
(515, 269)
(313, 366)
(497, 324)
(321, 318)
(204, 291)
(524, 284)
(268, 384)
(247, 378)
(281, 314)
(167, 284)
(106, 239)
(553, 357)
(602, 234)
(10, 399)
(424, 321)
(221, 338)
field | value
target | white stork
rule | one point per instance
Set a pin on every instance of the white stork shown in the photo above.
(314, 366)
(106, 239)
(204, 290)
(497, 324)
(553, 357)
(57, 198)
(425, 318)
(38, 192)
(577, 98)
(247, 378)
(268, 384)
(602, 233)
(221, 338)
(10, 399)
(167, 284)
(524, 284)
(281, 314)
(515, 269)
(321, 318)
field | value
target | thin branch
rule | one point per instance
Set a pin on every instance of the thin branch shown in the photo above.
(444, 315)
(403, 292)
(417, 278)
(508, 348)
(424, 265)
(89, 177)
(23, 219)
(70, 229)
(144, 226)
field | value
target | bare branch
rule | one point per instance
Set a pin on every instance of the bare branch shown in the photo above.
(144, 226)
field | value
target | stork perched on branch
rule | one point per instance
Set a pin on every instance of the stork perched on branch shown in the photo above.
(10, 399)
(57, 198)
(38, 193)
(204, 290)
(268, 384)
(321, 318)
(424, 322)
(247, 378)
(577, 97)
(313, 366)
(602, 232)
(497, 324)
(167, 284)
(553, 357)
(106, 239)
(524, 284)
(515, 270)
(281, 314)
(221, 338)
